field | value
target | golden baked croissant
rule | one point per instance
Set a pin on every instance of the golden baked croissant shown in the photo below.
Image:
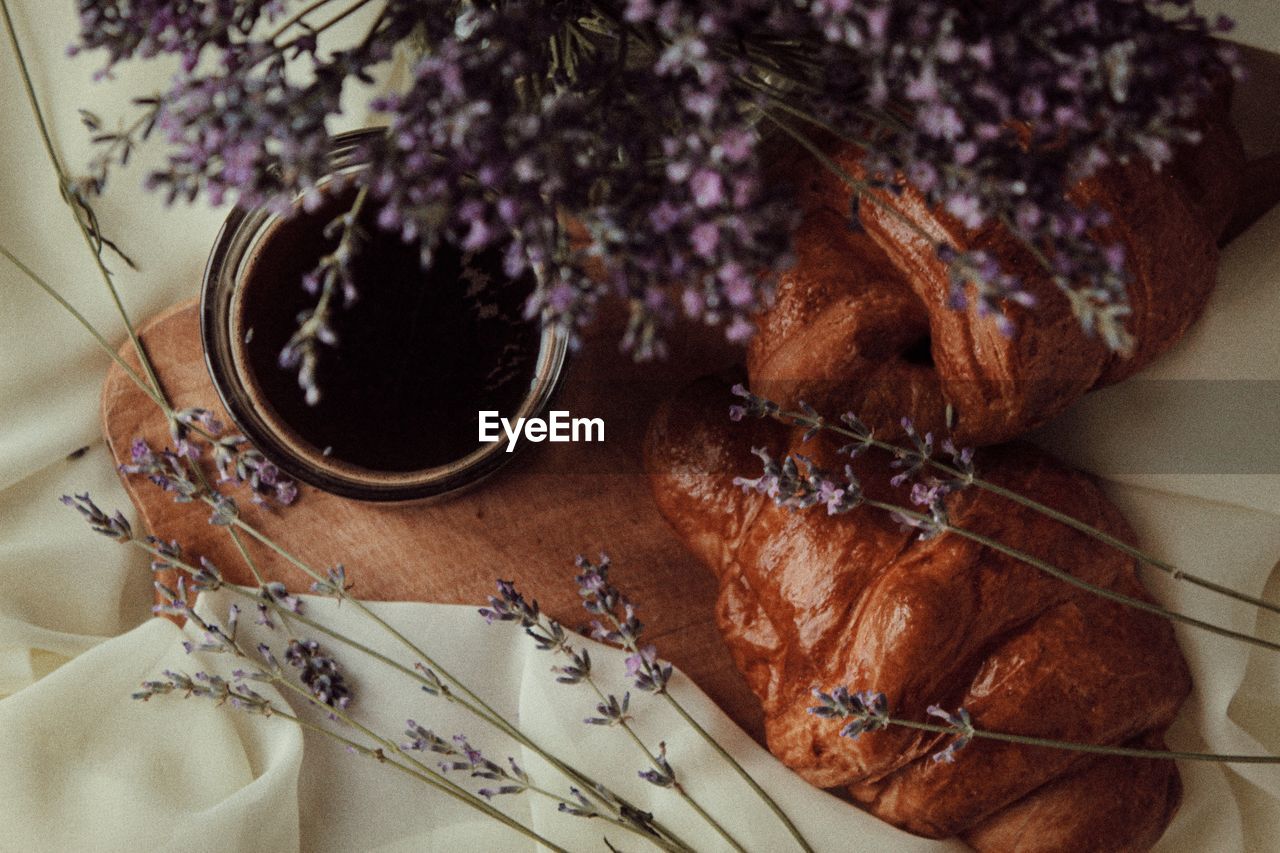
(810, 601)
(863, 321)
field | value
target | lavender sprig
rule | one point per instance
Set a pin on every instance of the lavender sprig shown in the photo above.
(322, 683)
(237, 463)
(115, 148)
(960, 725)
(615, 809)
(331, 277)
(206, 686)
(318, 672)
(601, 599)
(515, 780)
(662, 775)
(114, 526)
(611, 711)
(276, 598)
(605, 601)
(78, 204)
(868, 711)
(959, 472)
(166, 468)
(797, 484)
(460, 755)
(236, 693)
(438, 681)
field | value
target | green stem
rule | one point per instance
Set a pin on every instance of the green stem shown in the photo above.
(630, 646)
(1119, 544)
(741, 771)
(801, 419)
(1093, 748)
(89, 327)
(442, 782)
(63, 183)
(1067, 577)
(381, 757)
(336, 19)
(295, 18)
(676, 786)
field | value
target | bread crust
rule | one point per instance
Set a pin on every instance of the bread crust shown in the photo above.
(864, 321)
(810, 601)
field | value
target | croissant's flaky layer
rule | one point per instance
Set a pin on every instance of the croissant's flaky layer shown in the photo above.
(810, 600)
(864, 320)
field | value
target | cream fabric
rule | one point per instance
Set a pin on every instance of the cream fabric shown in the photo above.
(82, 767)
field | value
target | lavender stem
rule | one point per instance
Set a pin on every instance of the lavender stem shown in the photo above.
(802, 419)
(63, 184)
(1067, 577)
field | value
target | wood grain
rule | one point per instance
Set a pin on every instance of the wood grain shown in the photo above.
(526, 523)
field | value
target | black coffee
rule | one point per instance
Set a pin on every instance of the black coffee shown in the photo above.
(419, 354)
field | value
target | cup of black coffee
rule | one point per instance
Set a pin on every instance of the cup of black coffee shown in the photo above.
(419, 354)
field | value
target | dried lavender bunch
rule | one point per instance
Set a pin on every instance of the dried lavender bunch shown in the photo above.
(628, 133)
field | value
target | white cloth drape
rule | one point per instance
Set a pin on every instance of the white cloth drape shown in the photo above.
(82, 767)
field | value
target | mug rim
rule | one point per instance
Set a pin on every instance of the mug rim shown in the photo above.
(242, 231)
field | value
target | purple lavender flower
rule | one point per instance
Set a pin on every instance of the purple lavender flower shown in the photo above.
(961, 726)
(236, 462)
(168, 469)
(173, 602)
(114, 526)
(612, 711)
(791, 487)
(335, 583)
(577, 670)
(204, 685)
(643, 131)
(601, 598)
(962, 461)
(754, 406)
(912, 460)
(581, 806)
(319, 672)
(866, 710)
(225, 511)
(662, 774)
(206, 576)
(278, 594)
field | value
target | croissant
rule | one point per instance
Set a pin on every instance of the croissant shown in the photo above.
(864, 321)
(810, 601)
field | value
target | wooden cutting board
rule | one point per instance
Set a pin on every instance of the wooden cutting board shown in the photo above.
(526, 523)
